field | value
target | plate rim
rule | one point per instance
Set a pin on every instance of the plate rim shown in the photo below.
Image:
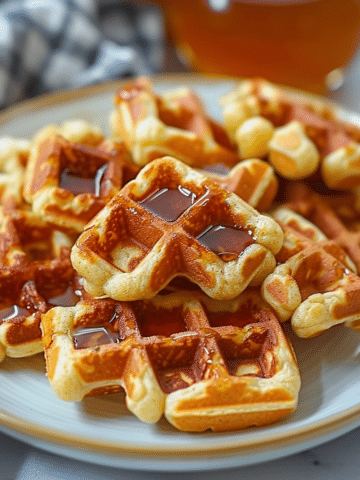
(310, 432)
(60, 96)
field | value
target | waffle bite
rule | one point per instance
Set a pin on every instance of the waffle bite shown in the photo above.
(73, 172)
(172, 221)
(204, 364)
(295, 134)
(35, 275)
(314, 283)
(172, 124)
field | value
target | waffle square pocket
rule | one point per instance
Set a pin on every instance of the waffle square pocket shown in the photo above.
(203, 363)
(172, 221)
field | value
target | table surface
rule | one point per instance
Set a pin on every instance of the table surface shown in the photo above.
(336, 459)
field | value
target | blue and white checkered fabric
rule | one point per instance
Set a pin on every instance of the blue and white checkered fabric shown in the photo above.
(47, 45)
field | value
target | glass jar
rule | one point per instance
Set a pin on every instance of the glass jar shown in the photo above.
(301, 43)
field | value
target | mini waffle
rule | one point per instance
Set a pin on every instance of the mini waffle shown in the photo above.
(321, 212)
(67, 181)
(14, 154)
(173, 124)
(172, 221)
(252, 180)
(313, 285)
(294, 243)
(295, 133)
(202, 363)
(35, 275)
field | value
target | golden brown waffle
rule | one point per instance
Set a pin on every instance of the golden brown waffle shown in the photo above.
(313, 283)
(294, 132)
(35, 275)
(252, 180)
(322, 212)
(14, 154)
(172, 221)
(204, 364)
(173, 124)
(67, 181)
(305, 230)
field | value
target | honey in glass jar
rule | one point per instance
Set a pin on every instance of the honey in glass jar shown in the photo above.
(302, 43)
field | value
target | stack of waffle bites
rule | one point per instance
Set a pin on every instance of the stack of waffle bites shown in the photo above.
(162, 261)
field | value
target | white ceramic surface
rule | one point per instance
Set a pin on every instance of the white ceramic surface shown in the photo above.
(101, 430)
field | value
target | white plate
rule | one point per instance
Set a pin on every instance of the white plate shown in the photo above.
(101, 430)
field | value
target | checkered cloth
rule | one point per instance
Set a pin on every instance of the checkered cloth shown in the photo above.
(47, 45)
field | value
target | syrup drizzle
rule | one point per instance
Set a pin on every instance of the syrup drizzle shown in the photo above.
(168, 203)
(94, 337)
(67, 299)
(13, 312)
(77, 184)
(227, 242)
(217, 168)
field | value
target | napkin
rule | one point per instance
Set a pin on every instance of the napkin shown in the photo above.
(47, 45)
